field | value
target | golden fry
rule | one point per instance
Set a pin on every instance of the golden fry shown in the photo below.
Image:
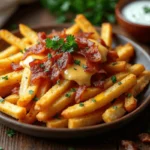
(73, 29)
(12, 98)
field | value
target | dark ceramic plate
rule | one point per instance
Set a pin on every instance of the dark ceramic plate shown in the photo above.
(40, 131)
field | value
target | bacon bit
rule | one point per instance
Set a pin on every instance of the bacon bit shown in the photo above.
(129, 145)
(144, 137)
(112, 55)
(16, 66)
(15, 90)
(85, 34)
(65, 60)
(42, 36)
(98, 79)
(79, 93)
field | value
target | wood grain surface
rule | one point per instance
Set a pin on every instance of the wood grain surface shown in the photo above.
(34, 15)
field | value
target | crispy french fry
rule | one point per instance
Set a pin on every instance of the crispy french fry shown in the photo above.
(86, 26)
(86, 120)
(25, 81)
(11, 50)
(52, 94)
(130, 103)
(101, 99)
(12, 110)
(28, 33)
(12, 98)
(57, 123)
(30, 93)
(5, 71)
(136, 69)
(115, 111)
(10, 78)
(65, 100)
(103, 50)
(106, 33)
(31, 115)
(73, 29)
(115, 67)
(125, 52)
(13, 40)
(6, 62)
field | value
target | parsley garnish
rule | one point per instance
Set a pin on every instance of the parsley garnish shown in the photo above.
(21, 51)
(31, 92)
(67, 94)
(129, 95)
(115, 107)
(84, 66)
(93, 100)
(81, 104)
(2, 100)
(42, 65)
(146, 9)
(113, 78)
(73, 90)
(1, 148)
(5, 77)
(114, 63)
(58, 82)
(49, 55)
(77, 62)
(11, 132)
(119, 83)
(35, 98)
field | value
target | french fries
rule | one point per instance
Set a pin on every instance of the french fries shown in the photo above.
(65, 75)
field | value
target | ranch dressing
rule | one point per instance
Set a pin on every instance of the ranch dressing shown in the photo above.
(137, 12)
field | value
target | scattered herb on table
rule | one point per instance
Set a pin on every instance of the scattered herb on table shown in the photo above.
(11, 132)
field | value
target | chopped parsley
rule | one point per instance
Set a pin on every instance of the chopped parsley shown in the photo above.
(35, 98)
(113, 79)
(57, 43)
(31, 92)
(21, 51)
(49, 55)
(129, 95)
(146, 9)
(114, 63)
(84, 66)
(73, 90)
(5, 77)
(115, 107)
(42, 65)
(1, 148)
(67, 94)
(58, 82)
(119, 83)
(77, 62)
(75, 68)
(81, 104)
(11, 132)
(1, 100)
(93, 100)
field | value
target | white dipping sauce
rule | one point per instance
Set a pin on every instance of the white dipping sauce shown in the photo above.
(134, 12)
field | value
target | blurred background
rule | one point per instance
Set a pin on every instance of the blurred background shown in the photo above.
(45, 12)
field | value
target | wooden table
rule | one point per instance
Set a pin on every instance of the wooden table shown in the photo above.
(34, 15)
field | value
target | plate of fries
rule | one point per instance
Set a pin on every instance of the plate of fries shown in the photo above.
(72, 81)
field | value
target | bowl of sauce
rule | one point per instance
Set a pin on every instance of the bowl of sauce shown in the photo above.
(134, 17)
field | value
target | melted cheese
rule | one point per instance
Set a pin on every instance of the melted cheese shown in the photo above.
(25, 63)
(77, 73)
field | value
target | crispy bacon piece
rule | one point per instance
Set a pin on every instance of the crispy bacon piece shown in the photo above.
(85, 35)
(16, 66)
(129, 145)
(79, 92)
(144, 137)
(112, 55)
(98, 79)
(42, 36)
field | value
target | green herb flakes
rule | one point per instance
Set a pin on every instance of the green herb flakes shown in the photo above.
(115, 107)
(81, 104)
(129, 95)
(5, 77)
(146, 9)
(31, 92)
(75, 68)
(73, 90)
(77, 62)
(42, 65)
(114, 63)
(113, 79)
(49, 55)
(119, 83)
(35, 98)
(84, 66)
(1, 100)
(10, 132)
(94, 100)
(68, 95)
(58, 82)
